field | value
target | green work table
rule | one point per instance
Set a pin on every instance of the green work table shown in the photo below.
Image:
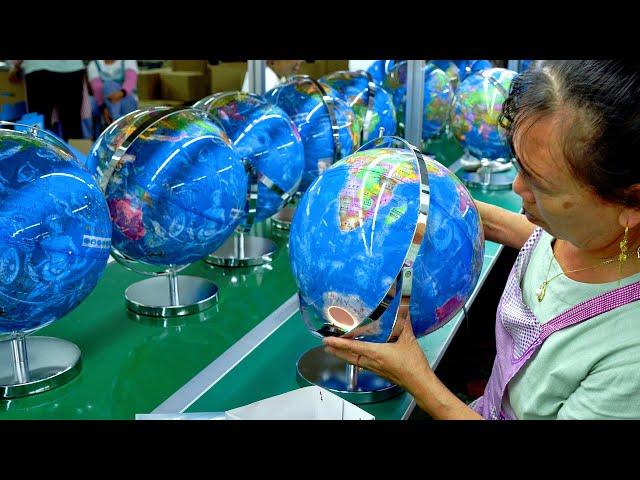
(244, 349)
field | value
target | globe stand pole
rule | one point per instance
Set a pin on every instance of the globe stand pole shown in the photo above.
(174, 293)
(491, 175)
(242, 251)
(282, 219)
(184, 295)
(352, 376)
(36, 364)
(356, 385)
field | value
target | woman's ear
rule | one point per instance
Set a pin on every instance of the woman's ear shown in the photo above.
(630, 216)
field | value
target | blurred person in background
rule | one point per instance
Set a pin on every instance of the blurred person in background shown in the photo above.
(276, 72)
(53, 84)
(113, 83)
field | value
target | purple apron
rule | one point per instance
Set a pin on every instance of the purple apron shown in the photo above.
(519, 334)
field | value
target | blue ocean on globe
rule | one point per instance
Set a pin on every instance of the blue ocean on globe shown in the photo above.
(379, 69)
(55, 232)
(475, 112)
(458, 70)
(438, 97)
(301, 99)
(351, 233)
(178, 190)
(468, 67)
(265, 136)
(353, 88)
(524, 65)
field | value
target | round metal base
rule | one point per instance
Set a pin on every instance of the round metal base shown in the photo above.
(316, 367)
(495, 181)
(151, 297)
(283, 218)
(52, 363)
(254, 251)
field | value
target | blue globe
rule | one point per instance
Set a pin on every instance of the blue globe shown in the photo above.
(458, 70)
(175, 187)
(468, 67)
(265, 136)
(55, 232)
(353, 88)
(379, 69)
(437, 100)
(302, 100)
(474, 116)
(351, 233)
(525, 65)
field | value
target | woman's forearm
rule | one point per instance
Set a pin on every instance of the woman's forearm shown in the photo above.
(504, 227)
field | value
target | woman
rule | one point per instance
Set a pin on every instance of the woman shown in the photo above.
(568, 323)
(113, 83)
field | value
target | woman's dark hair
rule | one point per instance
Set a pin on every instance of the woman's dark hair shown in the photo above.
(602, 97)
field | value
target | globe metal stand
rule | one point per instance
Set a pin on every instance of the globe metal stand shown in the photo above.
(243, 251)
(282, 220)
(171, 295)
(30, 365)
(356, 385)
(491, 174)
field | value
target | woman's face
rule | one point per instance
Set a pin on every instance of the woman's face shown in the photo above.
(552, 197)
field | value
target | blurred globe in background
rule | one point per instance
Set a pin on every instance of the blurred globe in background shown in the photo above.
(474, 116)
(452, 68)
(467, 67)
(176, 188)
(458, 70)
(265, 136)
(55, 231)
(379, 69)
(353, 87)
(301, 98)
(438, 97)
(524, 65)
(352, 231)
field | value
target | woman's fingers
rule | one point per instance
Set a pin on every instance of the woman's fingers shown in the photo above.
(355, 346)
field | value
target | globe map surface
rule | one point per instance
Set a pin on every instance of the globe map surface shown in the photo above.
(353, 87)
(302, 100)
(178, 189)
(55, 232)
(474, 116)
(352, 230)
(265, 136)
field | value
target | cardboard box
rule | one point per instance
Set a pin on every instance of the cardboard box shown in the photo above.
(189, 65)
(81, 144)
(185, 86)
(227, 76)
(161, 103)
(314, 69)
(336, 65)
(11, 93)
(149, 83)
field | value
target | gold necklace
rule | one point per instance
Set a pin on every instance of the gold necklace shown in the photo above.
(542, 289)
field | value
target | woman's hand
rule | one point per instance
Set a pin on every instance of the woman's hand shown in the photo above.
(115, 97)
(402, 362)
